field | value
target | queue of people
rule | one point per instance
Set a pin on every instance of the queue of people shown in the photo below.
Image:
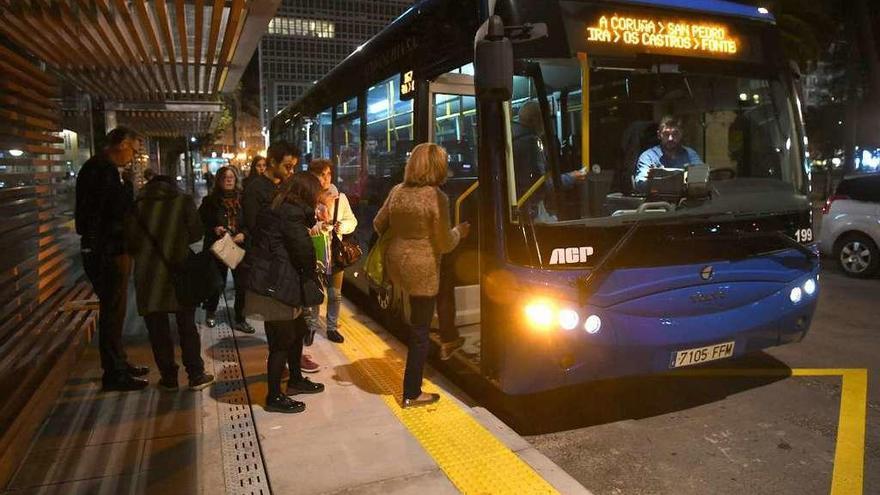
(280, 280)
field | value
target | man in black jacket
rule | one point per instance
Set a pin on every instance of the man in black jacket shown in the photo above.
(102, 204)
(282, 158)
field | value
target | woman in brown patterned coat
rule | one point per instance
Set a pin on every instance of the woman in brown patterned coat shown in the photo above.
(416, 216)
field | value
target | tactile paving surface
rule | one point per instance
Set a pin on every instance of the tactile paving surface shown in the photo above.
(471, 457)
(243, 467)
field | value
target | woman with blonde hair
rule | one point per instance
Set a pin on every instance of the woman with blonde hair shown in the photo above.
(416, 215)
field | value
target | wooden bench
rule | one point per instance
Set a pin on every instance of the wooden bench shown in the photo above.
(35, 362)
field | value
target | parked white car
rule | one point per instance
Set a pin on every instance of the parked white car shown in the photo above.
(851, 225)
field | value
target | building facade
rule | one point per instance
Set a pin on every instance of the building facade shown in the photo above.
(307, 38)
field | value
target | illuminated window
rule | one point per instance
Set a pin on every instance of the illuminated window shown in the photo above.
(292, 26)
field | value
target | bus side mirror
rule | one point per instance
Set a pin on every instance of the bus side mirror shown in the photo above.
(493, 63)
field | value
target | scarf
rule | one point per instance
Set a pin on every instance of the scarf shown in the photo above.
(232, 205)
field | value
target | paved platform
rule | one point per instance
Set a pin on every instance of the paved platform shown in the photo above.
(353, 438)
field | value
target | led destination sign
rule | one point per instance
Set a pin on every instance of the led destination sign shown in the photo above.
(635, 31)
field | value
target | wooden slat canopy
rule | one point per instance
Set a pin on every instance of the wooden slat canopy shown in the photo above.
(133, 50)
(137, 51)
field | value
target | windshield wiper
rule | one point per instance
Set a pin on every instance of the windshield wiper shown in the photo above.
(591, 282)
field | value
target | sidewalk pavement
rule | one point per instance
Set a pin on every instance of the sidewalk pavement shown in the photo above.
(353, 438)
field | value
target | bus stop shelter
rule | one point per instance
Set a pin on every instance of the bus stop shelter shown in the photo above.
(69, 71)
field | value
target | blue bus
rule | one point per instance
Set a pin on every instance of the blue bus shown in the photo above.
(635, 173)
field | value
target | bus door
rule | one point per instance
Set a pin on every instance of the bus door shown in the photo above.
(454, 115)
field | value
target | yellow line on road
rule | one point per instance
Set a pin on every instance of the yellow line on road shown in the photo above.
(849, 454)
(847, 477)
(473, 459)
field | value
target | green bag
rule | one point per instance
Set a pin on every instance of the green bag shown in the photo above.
(375, 264)
(321, 243)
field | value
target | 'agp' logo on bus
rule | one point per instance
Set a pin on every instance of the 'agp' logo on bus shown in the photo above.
(569, 255)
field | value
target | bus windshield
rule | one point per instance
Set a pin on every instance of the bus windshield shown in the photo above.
(664, 142)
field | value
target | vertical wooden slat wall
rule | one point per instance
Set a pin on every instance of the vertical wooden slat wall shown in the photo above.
(39, 264)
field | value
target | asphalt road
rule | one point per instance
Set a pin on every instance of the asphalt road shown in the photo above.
(729, 435)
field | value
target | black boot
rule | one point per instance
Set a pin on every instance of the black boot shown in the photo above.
(123, 382)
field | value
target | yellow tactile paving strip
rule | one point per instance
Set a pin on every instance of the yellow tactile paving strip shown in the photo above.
(471, 457)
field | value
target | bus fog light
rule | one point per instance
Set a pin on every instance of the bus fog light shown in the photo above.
(810, 287)
(593, 324)
(540, 314)
(796, 295)
(568, 319)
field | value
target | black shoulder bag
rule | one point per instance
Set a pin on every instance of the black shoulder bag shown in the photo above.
(343, 249)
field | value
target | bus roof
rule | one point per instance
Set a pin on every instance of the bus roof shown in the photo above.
(428, 36)
(378, 56)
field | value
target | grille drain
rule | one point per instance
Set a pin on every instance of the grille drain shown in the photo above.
(243, 467)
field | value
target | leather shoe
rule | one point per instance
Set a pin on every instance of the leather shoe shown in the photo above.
(137, 370)
(334, 336)
(123, 383)
(304, 386)
(422, 400)
(284, 404)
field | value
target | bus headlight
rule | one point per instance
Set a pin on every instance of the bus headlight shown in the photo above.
(568, 319)
(810, 287)
(796, 295)
(540, 314)
(592, 324)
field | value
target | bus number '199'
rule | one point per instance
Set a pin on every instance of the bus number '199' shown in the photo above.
(804, 235)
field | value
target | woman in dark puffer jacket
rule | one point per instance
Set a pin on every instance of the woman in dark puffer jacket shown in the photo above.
(282, 278)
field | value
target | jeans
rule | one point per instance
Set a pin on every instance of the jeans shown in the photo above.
(333, 286)
(422, 310)
(163, 347)
(446, 301)
(285, 339)
(109, 276)
(214, 301)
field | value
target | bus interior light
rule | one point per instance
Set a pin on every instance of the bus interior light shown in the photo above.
(810, 287)
(593, 324)
(796, 295)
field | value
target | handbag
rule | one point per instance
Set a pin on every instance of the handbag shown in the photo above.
(375, 263)
(312, 292)
(196, 279)
(227, 251)
(344, 250)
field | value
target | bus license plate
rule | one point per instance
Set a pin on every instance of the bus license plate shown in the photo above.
(699, 355)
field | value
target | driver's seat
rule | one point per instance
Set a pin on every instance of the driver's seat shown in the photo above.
(639, 136)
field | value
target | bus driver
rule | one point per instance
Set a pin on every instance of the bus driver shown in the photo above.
(670, 154)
